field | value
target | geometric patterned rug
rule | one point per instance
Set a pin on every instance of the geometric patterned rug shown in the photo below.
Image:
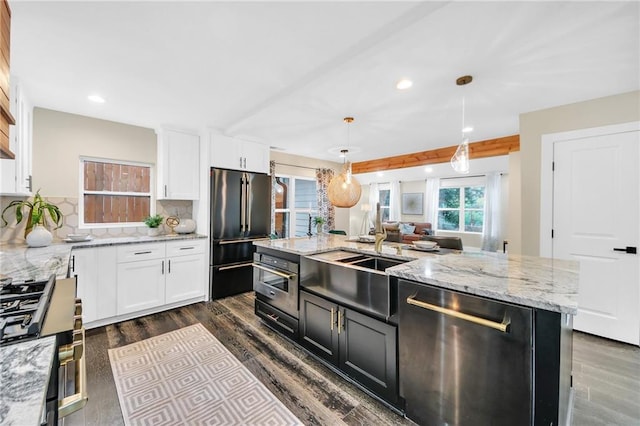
(187, 377)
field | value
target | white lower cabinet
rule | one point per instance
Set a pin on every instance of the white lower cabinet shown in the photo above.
(95, 271)
(115, 282)
(186, 270)
(140, 285)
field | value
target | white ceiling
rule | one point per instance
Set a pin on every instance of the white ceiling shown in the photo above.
(286, 73)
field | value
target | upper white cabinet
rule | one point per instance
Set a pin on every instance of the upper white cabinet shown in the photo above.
(16, 173)
(178, 165)
(238, 154)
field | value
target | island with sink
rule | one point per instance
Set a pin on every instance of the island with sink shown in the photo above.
(457, 337)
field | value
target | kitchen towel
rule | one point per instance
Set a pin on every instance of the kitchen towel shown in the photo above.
(188, 377)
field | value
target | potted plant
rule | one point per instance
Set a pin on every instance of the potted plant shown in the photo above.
(35, 231)
(319, 221)
(153, 222)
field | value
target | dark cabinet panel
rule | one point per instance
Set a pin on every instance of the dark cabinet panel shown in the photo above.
(318, 326)
(362, 347)
(368, 353)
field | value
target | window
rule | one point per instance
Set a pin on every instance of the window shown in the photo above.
(461, 208)
(384, 197)
(295, 199)
(114, 193)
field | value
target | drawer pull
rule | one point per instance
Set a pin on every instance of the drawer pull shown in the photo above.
(500, 326)
(142, 252)
(187, 248)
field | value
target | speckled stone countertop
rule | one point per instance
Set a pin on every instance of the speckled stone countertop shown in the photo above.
(38, 263)
(549, 284)
(24, 376)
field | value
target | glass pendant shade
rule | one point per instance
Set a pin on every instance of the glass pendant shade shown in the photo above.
(344, 189)
(460, 160)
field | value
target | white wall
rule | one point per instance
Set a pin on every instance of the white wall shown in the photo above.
(59, 139)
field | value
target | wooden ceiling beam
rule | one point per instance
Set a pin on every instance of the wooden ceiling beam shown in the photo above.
(481, 149)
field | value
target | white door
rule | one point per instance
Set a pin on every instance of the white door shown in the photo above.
(140, 285)
(185, 278)
(596, 198)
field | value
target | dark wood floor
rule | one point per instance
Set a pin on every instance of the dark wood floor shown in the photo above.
(606, 374)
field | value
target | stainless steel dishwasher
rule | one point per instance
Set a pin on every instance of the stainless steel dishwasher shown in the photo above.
(463, 360)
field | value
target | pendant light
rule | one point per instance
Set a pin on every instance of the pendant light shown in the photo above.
(344, 189)
(460, 160)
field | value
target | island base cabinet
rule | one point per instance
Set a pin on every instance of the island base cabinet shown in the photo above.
(457, 366)
(141, 285)
(362, 347)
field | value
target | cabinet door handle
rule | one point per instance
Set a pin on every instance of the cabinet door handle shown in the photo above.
(165, 190)
(331, 319)
(163, 267)
(169, 265)
(187, 248)
(73, 263)
(240, 162)
(627, 249)
(339, 321)
(142, 252)
(30, 183)
(244, 163)
(500, 326)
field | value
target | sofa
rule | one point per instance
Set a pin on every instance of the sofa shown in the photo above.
(406, 232)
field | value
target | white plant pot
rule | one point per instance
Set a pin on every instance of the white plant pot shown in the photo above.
(153, 232)
(39, 237)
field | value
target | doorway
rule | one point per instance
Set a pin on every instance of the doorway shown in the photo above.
(591, 214)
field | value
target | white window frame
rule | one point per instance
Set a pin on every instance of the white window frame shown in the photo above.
(461, 184)
(384, 187)
(293, 210)
(82, 192)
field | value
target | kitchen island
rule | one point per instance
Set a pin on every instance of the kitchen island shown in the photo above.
(499, 347)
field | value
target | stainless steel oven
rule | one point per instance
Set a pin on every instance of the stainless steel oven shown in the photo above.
(277, 280)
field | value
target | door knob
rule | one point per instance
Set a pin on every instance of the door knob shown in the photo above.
(630, 250)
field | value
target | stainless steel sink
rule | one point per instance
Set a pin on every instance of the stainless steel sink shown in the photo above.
(375, 263)
(349, 278)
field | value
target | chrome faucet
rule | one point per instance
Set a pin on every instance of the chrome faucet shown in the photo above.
(381, 233)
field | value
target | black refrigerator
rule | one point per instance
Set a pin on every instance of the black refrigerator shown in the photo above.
(240, 214)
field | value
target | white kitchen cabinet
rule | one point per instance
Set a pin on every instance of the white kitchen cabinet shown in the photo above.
(155, 274)
(238, 154)
(140, 277)
(95, 269)
(178, 165)
(16, 173)
(186, 268)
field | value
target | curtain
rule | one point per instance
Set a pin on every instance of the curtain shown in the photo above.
(325, 208)
(431, 202)
(394, 201)
(272, 172)
(492, 215)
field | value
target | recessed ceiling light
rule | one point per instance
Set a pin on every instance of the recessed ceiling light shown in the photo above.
(96, 98)
(467, 129)
(404, 84)
(428, 169)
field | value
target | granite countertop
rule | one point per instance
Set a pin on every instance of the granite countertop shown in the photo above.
(38, 263)
(24, 376)
(537, 282)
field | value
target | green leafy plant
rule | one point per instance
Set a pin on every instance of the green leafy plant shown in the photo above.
(153, 221)
(36, 212)
(318, 220)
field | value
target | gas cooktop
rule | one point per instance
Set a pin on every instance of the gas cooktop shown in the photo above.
(23, 306)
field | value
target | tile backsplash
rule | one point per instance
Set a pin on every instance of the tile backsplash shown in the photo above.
(13, 233)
